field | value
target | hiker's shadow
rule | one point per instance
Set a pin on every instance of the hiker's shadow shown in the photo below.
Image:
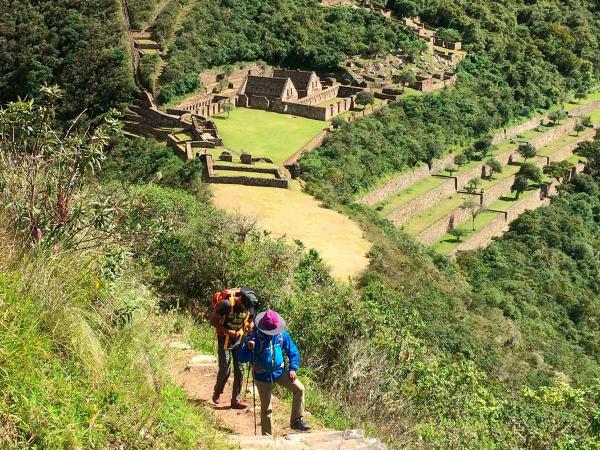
(207, 404)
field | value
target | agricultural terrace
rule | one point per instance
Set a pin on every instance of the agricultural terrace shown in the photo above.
(266, 134)
(298, 216)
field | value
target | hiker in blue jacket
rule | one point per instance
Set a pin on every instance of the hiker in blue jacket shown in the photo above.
(265, 347)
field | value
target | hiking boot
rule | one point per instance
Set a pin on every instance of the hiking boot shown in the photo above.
(238, 404)
(216, 398)
(300, 425)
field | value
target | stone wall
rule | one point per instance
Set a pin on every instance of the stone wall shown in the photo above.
(511, 132)
(501, 224)
(320, 97)
(315, 142)
(235, 79)
(435, 231)
(408, 210)
(407, 179)
(396, 184)
(439, 228)
(309, 112)
(446, 44)
(530, 124)
(205, 106)
(550, 136)
(349, 91)
(367, 111)
(212, 177)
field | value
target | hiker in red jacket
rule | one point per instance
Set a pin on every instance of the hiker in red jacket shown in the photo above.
(232, 316)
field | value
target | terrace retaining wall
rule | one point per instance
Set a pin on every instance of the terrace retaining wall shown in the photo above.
(458, 216)
(502, 222)
(406, 211)
(407, 179)
(315, 142)
(212, 177)
(511, 132)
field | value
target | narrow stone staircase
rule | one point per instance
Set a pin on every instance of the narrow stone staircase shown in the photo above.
(196, 374)
(318, 440)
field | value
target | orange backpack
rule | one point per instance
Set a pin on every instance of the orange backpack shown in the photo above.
(225, 294)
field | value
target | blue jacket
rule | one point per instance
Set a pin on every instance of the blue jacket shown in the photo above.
(269, 364)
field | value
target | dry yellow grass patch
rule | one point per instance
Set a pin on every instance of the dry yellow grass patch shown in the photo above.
(296, 215)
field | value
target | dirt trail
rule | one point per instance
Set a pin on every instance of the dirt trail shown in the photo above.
(196, 374)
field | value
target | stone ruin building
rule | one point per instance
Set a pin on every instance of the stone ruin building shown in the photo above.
(427, 33)
(298, 92)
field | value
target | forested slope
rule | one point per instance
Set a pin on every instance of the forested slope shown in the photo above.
(80, 47)
(522, 57)
(293, 33)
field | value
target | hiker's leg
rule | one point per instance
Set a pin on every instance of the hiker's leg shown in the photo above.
(223, 373)
(238, 376)
(297, 389)
(264, 393)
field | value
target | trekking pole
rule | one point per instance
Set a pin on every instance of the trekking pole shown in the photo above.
(253, 392)
(247, 380)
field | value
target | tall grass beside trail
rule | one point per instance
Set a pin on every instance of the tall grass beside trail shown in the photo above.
(81, 360)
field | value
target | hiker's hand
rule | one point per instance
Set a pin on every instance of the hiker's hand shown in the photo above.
(292, 375)
(233, 333)
(251, 345)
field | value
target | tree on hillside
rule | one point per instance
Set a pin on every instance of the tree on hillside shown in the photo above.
(228, 107)
(433, 150)
(45, 175)
(581, 93)
(591, 151)
(451, 168)
(405, 8)
(365, 98)
(484, 145)
(557, 169)
(473, 185)
(526, 150)
(520, 185)
(405, 77)
(448, 34)
(531, 172)
(457, 233)
(338, 122)
(586, 121)
(494, 166)
(579, 128)
(461, 159)
(557, 116)
(474, 209)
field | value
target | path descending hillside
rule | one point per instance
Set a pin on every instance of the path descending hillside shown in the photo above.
(196, 374)
(296, 215)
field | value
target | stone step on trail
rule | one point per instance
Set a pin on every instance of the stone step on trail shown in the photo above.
(195, 373)
(321, 440)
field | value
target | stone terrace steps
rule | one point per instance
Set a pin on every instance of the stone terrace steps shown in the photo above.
(429, 199)
(458, 216)
(321, 440)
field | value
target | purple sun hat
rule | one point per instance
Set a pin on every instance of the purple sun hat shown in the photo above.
(270, 323)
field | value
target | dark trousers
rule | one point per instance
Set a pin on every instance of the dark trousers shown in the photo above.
(225, 357)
